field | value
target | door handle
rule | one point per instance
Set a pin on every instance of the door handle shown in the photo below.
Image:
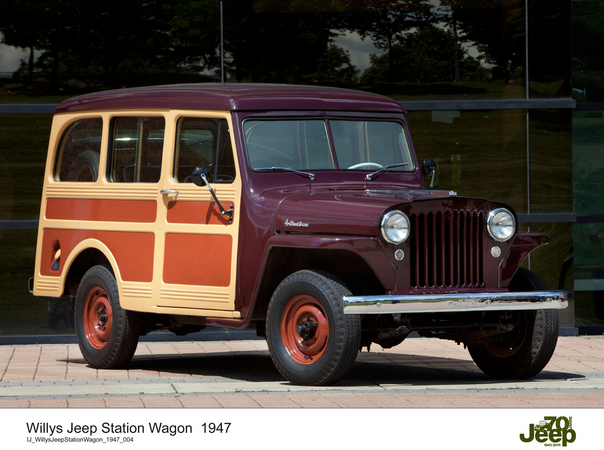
(169, 192)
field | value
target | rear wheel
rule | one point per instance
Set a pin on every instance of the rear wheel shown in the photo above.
(310, 339)
(107, 334)
(85, 167)
(524, 351)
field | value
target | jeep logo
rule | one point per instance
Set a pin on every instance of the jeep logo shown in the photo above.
(552, 429)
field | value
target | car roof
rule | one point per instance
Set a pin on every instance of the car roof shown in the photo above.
(233, 97)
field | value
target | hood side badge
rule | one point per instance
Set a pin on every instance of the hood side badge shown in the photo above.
(299, 224)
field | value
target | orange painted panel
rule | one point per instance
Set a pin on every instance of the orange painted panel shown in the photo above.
(198, 259)
(132, 251)
(204, 213)
(138, 211)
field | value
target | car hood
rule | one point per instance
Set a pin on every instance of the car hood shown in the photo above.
(345, 212)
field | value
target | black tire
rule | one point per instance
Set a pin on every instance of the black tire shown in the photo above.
(85, 167)
(524, 351)
(304, 353)
(107, 334)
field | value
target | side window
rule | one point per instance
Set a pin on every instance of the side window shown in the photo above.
(204, 142)
(79, 151)
(136, 149)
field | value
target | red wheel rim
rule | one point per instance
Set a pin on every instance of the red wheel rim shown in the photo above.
(84, 173)
(304, 329)
(509, 346)
(98, 318)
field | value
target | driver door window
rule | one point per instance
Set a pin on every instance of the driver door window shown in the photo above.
(204, 142)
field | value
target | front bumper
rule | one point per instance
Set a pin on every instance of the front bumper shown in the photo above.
(438, 303)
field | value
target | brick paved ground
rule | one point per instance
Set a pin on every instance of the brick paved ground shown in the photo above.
(425, 373)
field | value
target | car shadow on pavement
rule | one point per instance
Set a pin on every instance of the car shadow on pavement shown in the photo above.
(370, 369)
(419, 370)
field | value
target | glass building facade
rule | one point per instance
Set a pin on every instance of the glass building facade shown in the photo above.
(507, 96)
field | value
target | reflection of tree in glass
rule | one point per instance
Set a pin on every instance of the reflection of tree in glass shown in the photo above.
(90, 38)
(266, 44)
(287, 41)
(427, 55)
(334, 68)
(496, 28)
(588, 50)
(423, 43)
(386, 23)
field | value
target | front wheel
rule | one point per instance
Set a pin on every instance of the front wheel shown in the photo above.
(107, 334)
(310, 339)
(524, 351)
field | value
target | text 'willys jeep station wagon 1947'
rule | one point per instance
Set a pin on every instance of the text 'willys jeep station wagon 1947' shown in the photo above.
(299, 211)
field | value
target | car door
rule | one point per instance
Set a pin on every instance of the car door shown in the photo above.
(197, 249)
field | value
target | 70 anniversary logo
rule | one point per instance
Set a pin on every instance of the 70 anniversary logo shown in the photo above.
(552, 431)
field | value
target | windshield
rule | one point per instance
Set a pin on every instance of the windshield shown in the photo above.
(304, 145)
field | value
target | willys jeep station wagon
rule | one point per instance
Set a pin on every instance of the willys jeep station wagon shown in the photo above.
(299, 211)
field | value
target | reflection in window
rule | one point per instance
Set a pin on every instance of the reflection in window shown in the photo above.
(588, 232)
(20, 315)
(136, 149)
(204, 142)
(478, 153)
(368, 145)
(587, 45)
(78, 156)
(464, 49)
(293, 144)
(551, 178)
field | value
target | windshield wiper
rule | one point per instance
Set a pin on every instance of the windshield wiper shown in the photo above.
(369, 175)
(289, 169)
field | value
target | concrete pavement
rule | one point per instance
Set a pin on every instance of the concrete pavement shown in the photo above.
(234, 374)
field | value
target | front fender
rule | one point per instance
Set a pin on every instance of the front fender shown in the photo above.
(522, 244)
(368, 249)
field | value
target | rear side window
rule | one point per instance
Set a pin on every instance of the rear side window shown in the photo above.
(135, 149)
(79, 151)
(204, 142)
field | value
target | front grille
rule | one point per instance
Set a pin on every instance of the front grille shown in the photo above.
(446, 249)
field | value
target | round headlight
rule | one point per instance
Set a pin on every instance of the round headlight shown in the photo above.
(395, 227)
(501, 224)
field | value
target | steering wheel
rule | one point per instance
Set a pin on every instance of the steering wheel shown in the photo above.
(369, 165)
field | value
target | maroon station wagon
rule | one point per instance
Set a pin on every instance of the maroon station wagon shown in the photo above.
(299, 211)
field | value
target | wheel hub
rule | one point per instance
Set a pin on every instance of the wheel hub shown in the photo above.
(304, 329)
(307, 329)
(507, 344)
(97, 318)
(103, 317)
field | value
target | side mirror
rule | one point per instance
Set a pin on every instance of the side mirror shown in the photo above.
(197, 177)
(200, 178)
(429, 170)
(428, 167)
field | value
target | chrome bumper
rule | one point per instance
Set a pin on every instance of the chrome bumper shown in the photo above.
(501, 301)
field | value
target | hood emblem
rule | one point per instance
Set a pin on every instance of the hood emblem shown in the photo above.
(290, 223)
